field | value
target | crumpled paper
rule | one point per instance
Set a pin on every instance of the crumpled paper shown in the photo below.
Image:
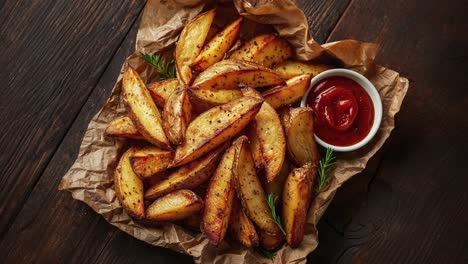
(90, 179)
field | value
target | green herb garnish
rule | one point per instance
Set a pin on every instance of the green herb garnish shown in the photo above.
(325, 165)
(265, 253)
(271, 202)
(166, 68)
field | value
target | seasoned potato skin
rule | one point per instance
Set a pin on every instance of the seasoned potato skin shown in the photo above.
(190, 43)
(186, 177)
(216, 126)
(297, 195)
(241, 228)
(218, 201)
(289, 94)
(161, 90)
(290, 69)
(142, 109)
(174, 206)
(299, 128)
(123, 127)
(129, 187)
(150, 161)
(177, 115)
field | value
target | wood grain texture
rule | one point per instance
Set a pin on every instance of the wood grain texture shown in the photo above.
(414, 209)
(52, 54)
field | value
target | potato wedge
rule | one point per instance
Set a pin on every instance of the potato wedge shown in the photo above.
(174, 206)
(299, 128)
(186, 177)
(290, 69)
(129, 187)
(177, 114)
(204, 99)
(150, 161)
(249, 188)
(123, 127)
(288, 94)
(190, 44)
(276, 186)
(143, 112)
(297, 194)
(254, 144)
(160, 91)
(218, 200)
(220, 44)
(229, 74)
(241, 228)
(267, 50)
(216, 126)
(271, 242)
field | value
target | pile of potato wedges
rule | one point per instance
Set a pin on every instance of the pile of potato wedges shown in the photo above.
(220, 137)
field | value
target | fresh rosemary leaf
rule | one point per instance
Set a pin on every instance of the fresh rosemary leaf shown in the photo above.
(271, 202)
(325, 164)
(265, 253)
(165, 68)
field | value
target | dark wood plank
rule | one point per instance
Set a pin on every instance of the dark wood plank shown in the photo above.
(414, 209)
(52, 54)
(68, 230)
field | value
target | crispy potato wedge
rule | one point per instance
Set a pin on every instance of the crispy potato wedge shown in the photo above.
(150, 161)
(249, 188)
(229, 74)
(268, 50)
(190, 44)
(290, 69)
(297, 194)
(177, 114)
(123, 127)
(218, 200)
(220, 44)
(143, 112)
(299, 128)
(129, 187)
(271, 242)
(216, 126)
(276, 186)
(241, 228)
(160, 91)
(186, 177)
(175, 206)
(204, 99)
(288, 94)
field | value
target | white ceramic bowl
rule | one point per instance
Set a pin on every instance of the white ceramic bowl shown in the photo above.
(368, 87)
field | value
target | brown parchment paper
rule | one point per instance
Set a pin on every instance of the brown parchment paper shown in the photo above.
(90, 179)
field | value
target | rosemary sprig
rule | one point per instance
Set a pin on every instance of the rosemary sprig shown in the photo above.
(165, 68)
(325, 165)
(271, 202)
(265, 253)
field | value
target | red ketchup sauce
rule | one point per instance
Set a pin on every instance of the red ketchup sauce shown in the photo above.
(344, 112)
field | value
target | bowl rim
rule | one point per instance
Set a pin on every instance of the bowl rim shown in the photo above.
(371, 91)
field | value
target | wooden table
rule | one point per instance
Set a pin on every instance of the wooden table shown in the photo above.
(59, 60)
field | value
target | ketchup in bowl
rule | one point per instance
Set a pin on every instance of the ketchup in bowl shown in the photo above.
(344, 112)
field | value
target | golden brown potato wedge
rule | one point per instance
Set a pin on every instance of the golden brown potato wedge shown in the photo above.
(174, 206)
(268, 50)
(249, 188)
(204, 99)
(271, 242)
(177, 115)
(129, 187)
(229, 74)
(123, 127)
(150, 161)
(218, 200)
(288, 94)
(216, 126)
(186, 177)
(289, 69)
(299, 128)
(143, 112)
(241, 228)
(297, 194)
(220, 44)
(160, 91)
(190, 44)
(276, 186)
